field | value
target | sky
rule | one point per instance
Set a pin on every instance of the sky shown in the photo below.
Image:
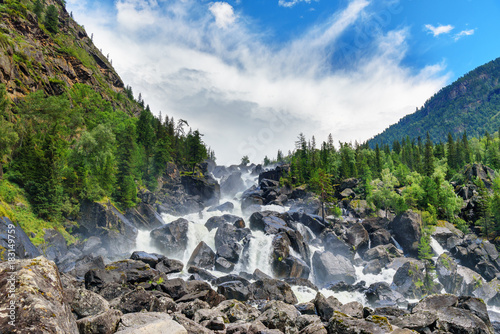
(251, 75)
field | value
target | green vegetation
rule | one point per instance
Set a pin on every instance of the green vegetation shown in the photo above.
(52, 19)
(471, 104)
(410, 175)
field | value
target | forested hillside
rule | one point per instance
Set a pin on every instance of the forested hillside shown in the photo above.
(67, 126)
(471, 104)
(456, 181)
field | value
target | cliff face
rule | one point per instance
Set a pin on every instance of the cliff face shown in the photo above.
(32, 58)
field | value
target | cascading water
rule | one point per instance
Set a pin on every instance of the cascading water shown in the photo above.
(436, 248)
(398, 246)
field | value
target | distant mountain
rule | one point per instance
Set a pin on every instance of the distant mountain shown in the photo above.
(471, 104)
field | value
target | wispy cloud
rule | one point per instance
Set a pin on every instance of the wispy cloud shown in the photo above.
(291, 3)
(440, 29)
(464, 33)
(251, 98)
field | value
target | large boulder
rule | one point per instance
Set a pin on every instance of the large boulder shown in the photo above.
(85, 303)
(32, 298)
(203, 257)
(237, 311)
(329, 267)
(326, 307)
(231, 184)
(14, 243)
(102, 323)
(54, 247)
(103, 220)
(279, 315)
(381, 295)
(268, 222)
(409, 280)
(341, 323)
(313, 222)
(145, 217)
(206, 188)
(478, 255)
(171, 238)
(336, 245)
(272, 289)
(407, 230)
(358, 237)
(149, 323)
(217, 221)
(228, 241)
(274, 174)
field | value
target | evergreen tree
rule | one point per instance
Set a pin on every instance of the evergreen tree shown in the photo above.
(483, 209)
(52, 19)
(125, 191)
(428, 157)
(38, 9)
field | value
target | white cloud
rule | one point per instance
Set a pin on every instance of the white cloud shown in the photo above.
(291, 3)
(440, 29)
(464, 33)
(250, 98)
(223, 13)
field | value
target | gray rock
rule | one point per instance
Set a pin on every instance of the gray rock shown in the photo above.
(171, 238)
(407, 230)
(103, 323)
(279, 315)
(149, 323)
(203, 257)
(328, 268)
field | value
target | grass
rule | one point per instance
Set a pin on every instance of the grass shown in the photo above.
(15, 206)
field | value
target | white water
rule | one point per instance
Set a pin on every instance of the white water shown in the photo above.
(258, 254)
(398, 246)
(143, 242)
(436, 248)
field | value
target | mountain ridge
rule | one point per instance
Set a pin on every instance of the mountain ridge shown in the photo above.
(471, 104)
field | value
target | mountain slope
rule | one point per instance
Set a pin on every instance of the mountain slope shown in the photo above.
(471, 104)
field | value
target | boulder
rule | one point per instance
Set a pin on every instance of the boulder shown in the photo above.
(79, 266)
(227, 207)
(268, 222)
(380, 237)
(201, 273)
(175, 288)
(206, 188)
(145, 217)
(149, 323)
(236, 311)
(360, 207)
(234, 290)
(103, 323)
(341, 323)
(313, 222)
(306, 308)
(139, 301)
(203, 257)
(223, 265)
(272, 289)
(202, 291)
(85, 303)
(191, 326)
(329, 267)
(103, 220)
(150, 258)
(279, 315)
(358, 237)
(32, 310)
(231, 184)
(336, 245)
(54, 247)
(171, 238)
(14, 243)
(212, 319)
(409, 279)
(326, 307)
(274, 174)
(217, 221)
(407, 230)
(353, 309)
(381, 295)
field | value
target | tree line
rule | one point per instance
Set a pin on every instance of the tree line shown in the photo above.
(79, 146)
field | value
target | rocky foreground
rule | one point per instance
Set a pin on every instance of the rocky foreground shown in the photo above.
(131, 296)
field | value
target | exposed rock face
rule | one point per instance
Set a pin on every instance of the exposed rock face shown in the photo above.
(409, 279)
(116, 232)
(407, 230)
(19, 246)
(172, 237)
(203, 256)
(478, 255)
(38, 298)
(206, 188)
(328, 268)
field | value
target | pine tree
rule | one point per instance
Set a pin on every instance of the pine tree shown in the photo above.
(428, 157)
(126, 192)
(52, 19)
(38, 9)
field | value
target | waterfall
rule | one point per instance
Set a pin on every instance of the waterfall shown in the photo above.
(436, 247)
(398, 246)
(257, 254)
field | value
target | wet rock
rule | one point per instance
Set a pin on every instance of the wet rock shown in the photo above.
(234, 290)
(297, 281)
(335, 245)
(380, 237)
(272, 289)
(328, 268)
(150, 258)
(175, 288)
(279, 315)
(381, 295)
(274, 174)
(22, 248)
(201, 273)
(32, 309)
(223, 265)
(144, 216)
(313, 222)
(409, 279)
(259, 275)
(407, 230)
(306, 308)
(373, 267)
(149, 323)
(227, 207)
(227, 241)
(217, 221)
(169, 266)
(54, 247)
(268, 222)
(203, 257)
(202, 291)
(231, 184)
(104, 323)
(171, 238)
(326, 307)
(115, 231)
(206, 188)
(358, 237)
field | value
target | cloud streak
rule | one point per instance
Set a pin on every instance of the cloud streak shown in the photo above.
(464, 33)
(440, 29)
(210, 66)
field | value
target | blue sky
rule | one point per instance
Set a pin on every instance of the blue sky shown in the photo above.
(253, 74)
